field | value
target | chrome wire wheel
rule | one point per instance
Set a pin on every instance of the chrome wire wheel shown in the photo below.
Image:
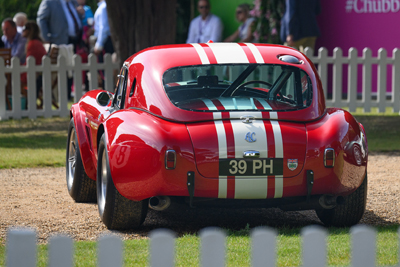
(71, 159)
(101, 199)
(80, 186)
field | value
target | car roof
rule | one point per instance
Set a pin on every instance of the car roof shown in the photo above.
(149, 65)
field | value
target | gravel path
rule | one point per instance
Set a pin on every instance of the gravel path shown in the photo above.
(38, 198)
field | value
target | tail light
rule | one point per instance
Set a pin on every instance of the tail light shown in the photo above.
(170, 159)
(329, 157)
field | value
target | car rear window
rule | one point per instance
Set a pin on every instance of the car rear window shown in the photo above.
(238, 87)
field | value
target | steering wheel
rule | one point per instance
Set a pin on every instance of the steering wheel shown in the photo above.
(249, 82)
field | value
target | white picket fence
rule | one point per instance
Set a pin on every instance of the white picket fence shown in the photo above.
(329, 67)
(21, 248)
(372, 95)
(62, 70)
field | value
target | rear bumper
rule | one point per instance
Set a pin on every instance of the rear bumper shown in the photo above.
(191, 184)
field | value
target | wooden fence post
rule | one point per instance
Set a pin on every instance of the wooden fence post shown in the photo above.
(314, 246)
(60, 251)
(337, 88)
(31, 83)
(263, 247)
(16, 87)
(162, 248)
(352, 80)
(3, 82)
(62, 86)
(212, 253)
(367, 83)
(396, 80)
(382, 72)
(323, 69)
(109, 251)
(363, 246)
(108, 73)
(77, 66)
(21, 248)
(93, 72)
(47, 84)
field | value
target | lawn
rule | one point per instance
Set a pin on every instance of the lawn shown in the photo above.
(33, 143)
(41, 142)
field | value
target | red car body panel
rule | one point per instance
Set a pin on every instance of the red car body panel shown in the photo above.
(139, 135)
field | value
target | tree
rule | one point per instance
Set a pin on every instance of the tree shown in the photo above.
(139, 24)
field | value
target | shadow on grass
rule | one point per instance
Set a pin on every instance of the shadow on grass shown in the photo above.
(38, 125)
(35, 141)
(238, 222)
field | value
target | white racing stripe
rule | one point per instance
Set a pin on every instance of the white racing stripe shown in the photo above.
(256, 53)
(228, 53)
(210, 105)
(223, 187)
(222, 153)
(278, 152)
(264, 104)
(245, 187)
(202, 54)
(250, 187)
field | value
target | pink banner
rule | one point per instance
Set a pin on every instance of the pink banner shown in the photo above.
(360, 23)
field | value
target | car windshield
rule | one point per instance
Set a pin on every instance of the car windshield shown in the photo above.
(238, 87)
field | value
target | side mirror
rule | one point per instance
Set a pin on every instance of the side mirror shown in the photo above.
(104, 98)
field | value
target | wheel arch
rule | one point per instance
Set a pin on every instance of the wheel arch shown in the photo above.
(83, 141)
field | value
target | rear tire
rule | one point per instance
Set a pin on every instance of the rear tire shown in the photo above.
(351, 212)
(116, 211)
(80, 187)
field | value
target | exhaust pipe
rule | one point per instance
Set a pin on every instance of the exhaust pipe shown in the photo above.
(159, 203)
(329, 202)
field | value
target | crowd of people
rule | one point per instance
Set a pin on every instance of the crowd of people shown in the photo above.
(299, 28)
(73, 22)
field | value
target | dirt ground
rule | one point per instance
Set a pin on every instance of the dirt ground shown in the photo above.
(38, 198)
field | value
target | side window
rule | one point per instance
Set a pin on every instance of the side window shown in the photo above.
(133, 87)
(119, 97)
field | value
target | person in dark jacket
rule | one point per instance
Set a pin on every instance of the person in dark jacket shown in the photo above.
(299, 27)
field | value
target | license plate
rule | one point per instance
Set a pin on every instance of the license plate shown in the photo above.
(251, 167)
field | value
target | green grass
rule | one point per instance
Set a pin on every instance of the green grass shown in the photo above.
(382, 132)
(33, 143)
(41, 142)
(289, 252)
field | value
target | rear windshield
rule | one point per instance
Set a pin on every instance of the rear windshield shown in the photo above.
(238, 87)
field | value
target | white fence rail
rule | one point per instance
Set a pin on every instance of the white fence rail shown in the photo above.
(348, 81)
(21, 248)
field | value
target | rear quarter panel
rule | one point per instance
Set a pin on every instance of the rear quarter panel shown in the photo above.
(137, 142)
(338, 130)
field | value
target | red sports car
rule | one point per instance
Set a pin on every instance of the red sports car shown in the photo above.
(216, 124)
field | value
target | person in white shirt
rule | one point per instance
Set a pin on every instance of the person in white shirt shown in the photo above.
(244, 33)
(205, 27)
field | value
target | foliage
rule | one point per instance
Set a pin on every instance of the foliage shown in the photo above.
(268, 14)
(8, 8)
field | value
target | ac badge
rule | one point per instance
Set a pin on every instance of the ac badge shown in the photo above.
(292, 164)
(250, 137)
